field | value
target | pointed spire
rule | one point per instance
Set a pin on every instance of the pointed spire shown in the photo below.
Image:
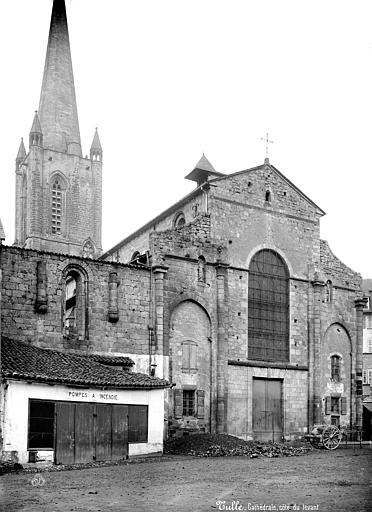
(205, 164)
(21, 155)
(21, 151)
(57, 108)
(36, 135)
(203, 171)
(96, 148)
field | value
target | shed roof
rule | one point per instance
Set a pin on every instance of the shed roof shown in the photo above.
(24, 361)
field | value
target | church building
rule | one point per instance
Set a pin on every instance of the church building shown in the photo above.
(225, 313)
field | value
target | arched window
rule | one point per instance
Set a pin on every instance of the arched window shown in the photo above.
(88, 249)
(268, 307)
(201, 269)
(329, 291)
(179, 220)
(75, 306)
(336, 368)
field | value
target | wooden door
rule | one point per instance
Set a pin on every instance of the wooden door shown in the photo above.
(103, 432)
(65, 433)
(84, 438)
(267, 410)
(119, 432)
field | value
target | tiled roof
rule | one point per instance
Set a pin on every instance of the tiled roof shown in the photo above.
(112, 360)
(26, 362)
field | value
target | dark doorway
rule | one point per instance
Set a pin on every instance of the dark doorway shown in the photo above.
(267, 409)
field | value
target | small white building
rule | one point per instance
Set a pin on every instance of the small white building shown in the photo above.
(69, 408)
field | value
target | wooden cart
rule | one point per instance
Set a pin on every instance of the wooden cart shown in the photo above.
(325, 436)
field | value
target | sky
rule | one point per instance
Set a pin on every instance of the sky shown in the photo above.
(166, 80)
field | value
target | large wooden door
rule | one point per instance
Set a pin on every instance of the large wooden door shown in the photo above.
(84, 433)
(119, 432)
(103, 432)
(267, 410)
(65, 433)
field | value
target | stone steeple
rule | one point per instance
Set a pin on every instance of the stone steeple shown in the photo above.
(96, 148)
(21, 155)
(57, 109)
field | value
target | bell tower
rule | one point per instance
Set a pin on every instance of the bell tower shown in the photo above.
(58, 192)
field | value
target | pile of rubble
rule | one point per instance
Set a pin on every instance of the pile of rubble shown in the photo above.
(223, 445)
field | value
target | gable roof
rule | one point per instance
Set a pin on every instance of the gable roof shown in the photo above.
(274, 169)
(23, 361)
(195, 192)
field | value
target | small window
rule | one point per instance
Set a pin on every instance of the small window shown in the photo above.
(367, 304)
(41, 425)
(335, 368)
(137, 423)
(335, 405)
(179, 220)
(335, 420)
(201, 269)
(268, 196)
(329, 291)
(189, 353)
(75, 309)
(188, 402)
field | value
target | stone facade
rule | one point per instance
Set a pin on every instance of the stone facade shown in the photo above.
(240, 215)
(235, 268)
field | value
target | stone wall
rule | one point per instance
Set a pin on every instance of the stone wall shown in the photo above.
(20, 320)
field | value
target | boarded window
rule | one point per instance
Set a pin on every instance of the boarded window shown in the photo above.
(268, 308)
(335, 368)
(189, 353)
(41, 425)
(177, 396)
(188, 408)
(137, 423)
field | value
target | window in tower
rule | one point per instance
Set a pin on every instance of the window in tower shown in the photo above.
(56, 207)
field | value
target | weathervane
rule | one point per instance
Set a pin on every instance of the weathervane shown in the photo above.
(267, 142)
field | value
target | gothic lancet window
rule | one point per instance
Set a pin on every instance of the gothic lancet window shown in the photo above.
(201, 269)
(57, 197)
(329, 291)
(335, 368)
(268, 308)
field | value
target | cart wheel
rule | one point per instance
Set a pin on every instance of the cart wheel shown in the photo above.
(314, 441)
(331, 437)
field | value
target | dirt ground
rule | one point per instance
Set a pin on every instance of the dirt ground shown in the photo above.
(339, 480)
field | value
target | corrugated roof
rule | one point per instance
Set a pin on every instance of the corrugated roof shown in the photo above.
(24, 361)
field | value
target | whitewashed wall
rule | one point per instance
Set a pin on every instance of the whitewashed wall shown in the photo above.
(18, 393)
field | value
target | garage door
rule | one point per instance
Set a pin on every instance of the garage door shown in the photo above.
(90, 432)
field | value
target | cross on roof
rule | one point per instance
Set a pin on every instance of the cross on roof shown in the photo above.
(267, 142)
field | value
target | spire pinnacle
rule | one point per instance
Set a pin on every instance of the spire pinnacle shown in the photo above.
(21, 151)
(36, 135)
(57, 108)
(96, 148)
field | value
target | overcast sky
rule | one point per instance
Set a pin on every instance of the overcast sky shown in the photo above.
(166, 80)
